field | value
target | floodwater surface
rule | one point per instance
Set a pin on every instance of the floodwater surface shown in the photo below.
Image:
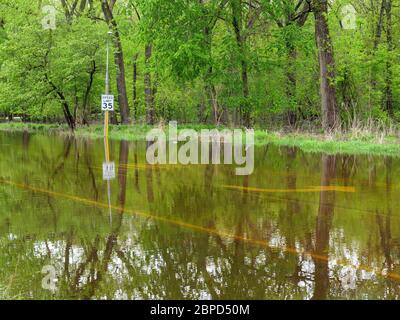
(302, 226)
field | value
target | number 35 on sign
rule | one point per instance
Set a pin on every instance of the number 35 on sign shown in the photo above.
(107, 102)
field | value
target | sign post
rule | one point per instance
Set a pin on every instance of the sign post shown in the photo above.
(107, 103)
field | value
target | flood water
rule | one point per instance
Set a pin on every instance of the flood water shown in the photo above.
(302, 226)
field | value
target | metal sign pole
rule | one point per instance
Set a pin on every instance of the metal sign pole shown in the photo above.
(107, 89)
(107, 105)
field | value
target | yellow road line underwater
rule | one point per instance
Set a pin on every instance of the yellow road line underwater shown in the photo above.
(299, 190)
(148, 166)
(263, 243)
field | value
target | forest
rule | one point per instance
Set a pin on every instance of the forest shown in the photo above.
(257, 63)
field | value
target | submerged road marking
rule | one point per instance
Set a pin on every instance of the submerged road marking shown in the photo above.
(299, 190)
(388, 275)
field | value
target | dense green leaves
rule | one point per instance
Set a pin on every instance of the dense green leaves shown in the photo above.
(211, 61)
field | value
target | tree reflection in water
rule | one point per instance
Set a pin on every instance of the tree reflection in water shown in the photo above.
(323, 228)
(303, 241)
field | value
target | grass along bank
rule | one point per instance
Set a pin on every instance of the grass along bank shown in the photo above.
(366, 143)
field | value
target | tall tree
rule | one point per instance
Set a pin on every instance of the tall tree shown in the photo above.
(108, 11)
(134, 85)
(148, 89)
(389, 71)
(330, 112)
(286, 14)
(210, 15)
(243, 21)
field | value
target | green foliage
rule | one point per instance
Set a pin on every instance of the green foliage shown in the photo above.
(199, 56)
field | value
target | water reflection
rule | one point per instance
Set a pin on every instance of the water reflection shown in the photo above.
(323, 227)
(177, 232)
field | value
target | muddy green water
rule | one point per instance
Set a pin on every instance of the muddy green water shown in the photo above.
(303, 226)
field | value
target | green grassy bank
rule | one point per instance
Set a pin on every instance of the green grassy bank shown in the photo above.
(339, 143)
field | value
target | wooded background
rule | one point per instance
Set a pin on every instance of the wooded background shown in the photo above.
(254, 63)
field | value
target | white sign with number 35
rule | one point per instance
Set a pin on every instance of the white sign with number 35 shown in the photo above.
(107, 102)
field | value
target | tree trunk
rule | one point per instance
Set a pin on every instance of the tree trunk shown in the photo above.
(113, 115)
(330, 113)
(67, 114)
(211, 92)
(86, 112)
(154, 94)
(377, 39)
(237, 26)
(291, 84)
(246, 113)
(76, 103)
(148, 88)
(66, 110)
(389, 71)
(135, 102)
(379, 26)
(82, 6)
(119, 61)
(209, 87)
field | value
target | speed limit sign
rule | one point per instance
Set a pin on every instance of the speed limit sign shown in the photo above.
(107, 102)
